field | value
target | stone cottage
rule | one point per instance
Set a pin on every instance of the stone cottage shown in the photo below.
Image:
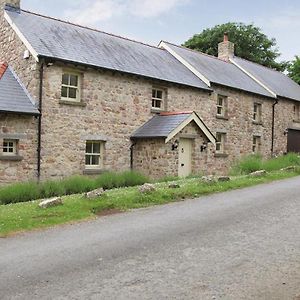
(76, 100)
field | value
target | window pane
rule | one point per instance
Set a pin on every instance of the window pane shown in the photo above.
(74, 80)
(95, 160)
(64, 92)
(158, 104)
(220, 101)
(218, 146)
(72, 93)
(96, 147)
(87, 160)
(159, 94)
(65, 79)
(88, 148)
(219, 111)
(153, 93)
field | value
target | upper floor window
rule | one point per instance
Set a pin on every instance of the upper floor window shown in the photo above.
(257, 112)
(94, 154)
(70, 87)
(9, 147)
(158, 99)
(221, 106)
(220, 142)
(297, 112)
(256, 144)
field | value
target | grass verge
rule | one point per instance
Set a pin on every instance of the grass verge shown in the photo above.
(28, 216)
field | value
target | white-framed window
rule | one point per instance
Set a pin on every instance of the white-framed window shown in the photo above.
(94, 152)
(158, 98)
(70, 86)
(220, 142)
(296, 112)
(10, 147)
(256, 144)
(257, 111)
(221, 105)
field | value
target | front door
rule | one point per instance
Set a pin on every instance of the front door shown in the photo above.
(185, 157)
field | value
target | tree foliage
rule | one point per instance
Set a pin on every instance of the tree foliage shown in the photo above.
(250, 43)
(294, 69)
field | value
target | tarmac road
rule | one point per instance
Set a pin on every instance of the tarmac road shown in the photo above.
(242, 244)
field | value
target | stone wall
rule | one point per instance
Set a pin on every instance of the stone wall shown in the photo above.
(156, 159)
(115, 105)
(23, 129)
(11, 51)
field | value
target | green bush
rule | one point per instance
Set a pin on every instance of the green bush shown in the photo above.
(20, 192)
(78, 184)
(254, 163)
(23, 192)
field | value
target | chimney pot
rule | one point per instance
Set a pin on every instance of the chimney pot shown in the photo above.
(226, 37)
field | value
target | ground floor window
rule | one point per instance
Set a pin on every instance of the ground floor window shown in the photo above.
(220, 142)
(9, 147)
(94, 154)
(256, 144)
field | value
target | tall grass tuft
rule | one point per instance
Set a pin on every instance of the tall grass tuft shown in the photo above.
(20, 192)
(254, 163)
(23, 192)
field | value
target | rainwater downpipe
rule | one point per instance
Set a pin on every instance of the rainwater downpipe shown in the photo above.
(273, 127)
(39, 147)
(131, 155)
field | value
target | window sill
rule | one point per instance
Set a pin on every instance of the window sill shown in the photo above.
(221, 117)
(157, 110)
(256, 123)
(221, 155)
(11, 158)
(93, 171)
(73, 103)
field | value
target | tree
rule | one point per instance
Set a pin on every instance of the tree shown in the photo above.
(250, 43)
(294, 69)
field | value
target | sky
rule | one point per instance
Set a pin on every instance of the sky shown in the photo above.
(176, 21)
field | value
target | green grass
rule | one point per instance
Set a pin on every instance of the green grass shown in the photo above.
(28, 216)
(254, 163)
(23, 192)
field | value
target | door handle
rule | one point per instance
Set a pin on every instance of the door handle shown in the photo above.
(182, 165)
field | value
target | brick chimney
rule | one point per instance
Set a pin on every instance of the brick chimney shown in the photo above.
(226, 49)
(13, 3)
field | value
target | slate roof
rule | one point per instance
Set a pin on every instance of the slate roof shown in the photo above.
(160, 126)
(218, 71)
(14, 98)
(61, 40)
(276, 81)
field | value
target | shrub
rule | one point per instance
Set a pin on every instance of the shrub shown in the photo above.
(110, 180)
(254, 163)
(23, 192)
(246, 165)
(20, 192)
(78, 184)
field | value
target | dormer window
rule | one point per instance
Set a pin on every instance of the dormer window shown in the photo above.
(70, 87)
(158, 99)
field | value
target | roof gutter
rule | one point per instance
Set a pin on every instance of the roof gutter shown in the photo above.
(53, 59)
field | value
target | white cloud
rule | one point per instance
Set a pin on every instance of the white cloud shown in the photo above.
(153, 8)
(92, 12)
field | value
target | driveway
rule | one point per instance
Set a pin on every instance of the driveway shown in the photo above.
(243, 244)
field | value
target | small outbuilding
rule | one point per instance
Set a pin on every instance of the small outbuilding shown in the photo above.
(172, 144)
